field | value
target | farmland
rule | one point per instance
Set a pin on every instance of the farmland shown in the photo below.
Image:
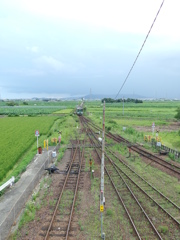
(17, 136)
(18, 132)
(19, 148)
(18, 124)
(33, 108)
(138, 119)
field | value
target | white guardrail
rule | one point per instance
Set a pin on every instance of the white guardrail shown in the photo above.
(7, 184)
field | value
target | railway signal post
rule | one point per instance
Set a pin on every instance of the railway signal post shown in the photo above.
(102, 175)
(37, 135)
(153, 127)
(123, 105)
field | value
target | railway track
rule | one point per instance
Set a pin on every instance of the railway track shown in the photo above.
(59, 223)
(146, 207)
(155, 195)
(173, 168)
(141, 151)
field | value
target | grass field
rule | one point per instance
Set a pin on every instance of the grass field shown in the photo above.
(19, 146)
(18, 142)
(33, 108)
(139, 116)
(64, 111)
(147, 110)
(17, 136)
(17, 133)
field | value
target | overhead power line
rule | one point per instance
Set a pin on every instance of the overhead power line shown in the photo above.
(140, 49)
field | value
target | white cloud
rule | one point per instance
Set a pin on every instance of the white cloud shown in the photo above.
(34, 49)
(119, 15)
(49, 62)
(24, 72)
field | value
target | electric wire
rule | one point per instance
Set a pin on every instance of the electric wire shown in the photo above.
(140, 49)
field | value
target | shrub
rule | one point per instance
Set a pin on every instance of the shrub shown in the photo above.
(112, 121)
(130, 131)
(109, 212)
(171, 156)
(108, 128)
(163, 229)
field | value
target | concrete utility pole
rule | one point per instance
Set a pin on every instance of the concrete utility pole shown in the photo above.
(102, 199)
(123, 105)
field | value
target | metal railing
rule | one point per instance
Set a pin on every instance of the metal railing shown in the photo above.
(7, 184)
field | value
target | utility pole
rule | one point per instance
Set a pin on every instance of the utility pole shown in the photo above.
(123, 105)
(102, 199)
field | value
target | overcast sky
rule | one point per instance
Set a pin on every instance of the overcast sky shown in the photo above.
(56, 48)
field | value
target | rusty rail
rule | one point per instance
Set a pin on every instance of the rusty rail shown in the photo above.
(75, 195)
(59, 199)
(116, 167)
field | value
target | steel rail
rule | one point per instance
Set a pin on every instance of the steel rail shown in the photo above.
(59, 199)
(178, 208)
(146, 154)
(136, 200)
(152, 225)
(126, 210)
(142, 209)
(162, 162)
(142, 178)
(146, 193)
(153, 188)
(75, 195)
(149, 155)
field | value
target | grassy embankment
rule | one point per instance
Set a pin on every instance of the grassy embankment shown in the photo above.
(18, 141)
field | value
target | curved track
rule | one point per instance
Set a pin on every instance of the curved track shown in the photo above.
(146, 207)
(170, 166)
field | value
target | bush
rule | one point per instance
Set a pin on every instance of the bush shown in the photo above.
(177, 116)
(130, 131)
(25, 103)
(163, 229)
(171, 156)
(112, 121)
(109, 212)
(11, 103)
(108, 128)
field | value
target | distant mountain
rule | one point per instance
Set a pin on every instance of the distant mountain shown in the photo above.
(101, 96)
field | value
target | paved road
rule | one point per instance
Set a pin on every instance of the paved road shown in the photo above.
(12, 202)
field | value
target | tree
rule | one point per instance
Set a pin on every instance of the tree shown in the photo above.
(25, 103)
(11, 103)
(178, 114)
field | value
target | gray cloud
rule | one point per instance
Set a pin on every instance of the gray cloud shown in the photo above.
(48, 62)
(64, 55)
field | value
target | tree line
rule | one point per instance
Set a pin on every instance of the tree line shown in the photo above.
(110, 100)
